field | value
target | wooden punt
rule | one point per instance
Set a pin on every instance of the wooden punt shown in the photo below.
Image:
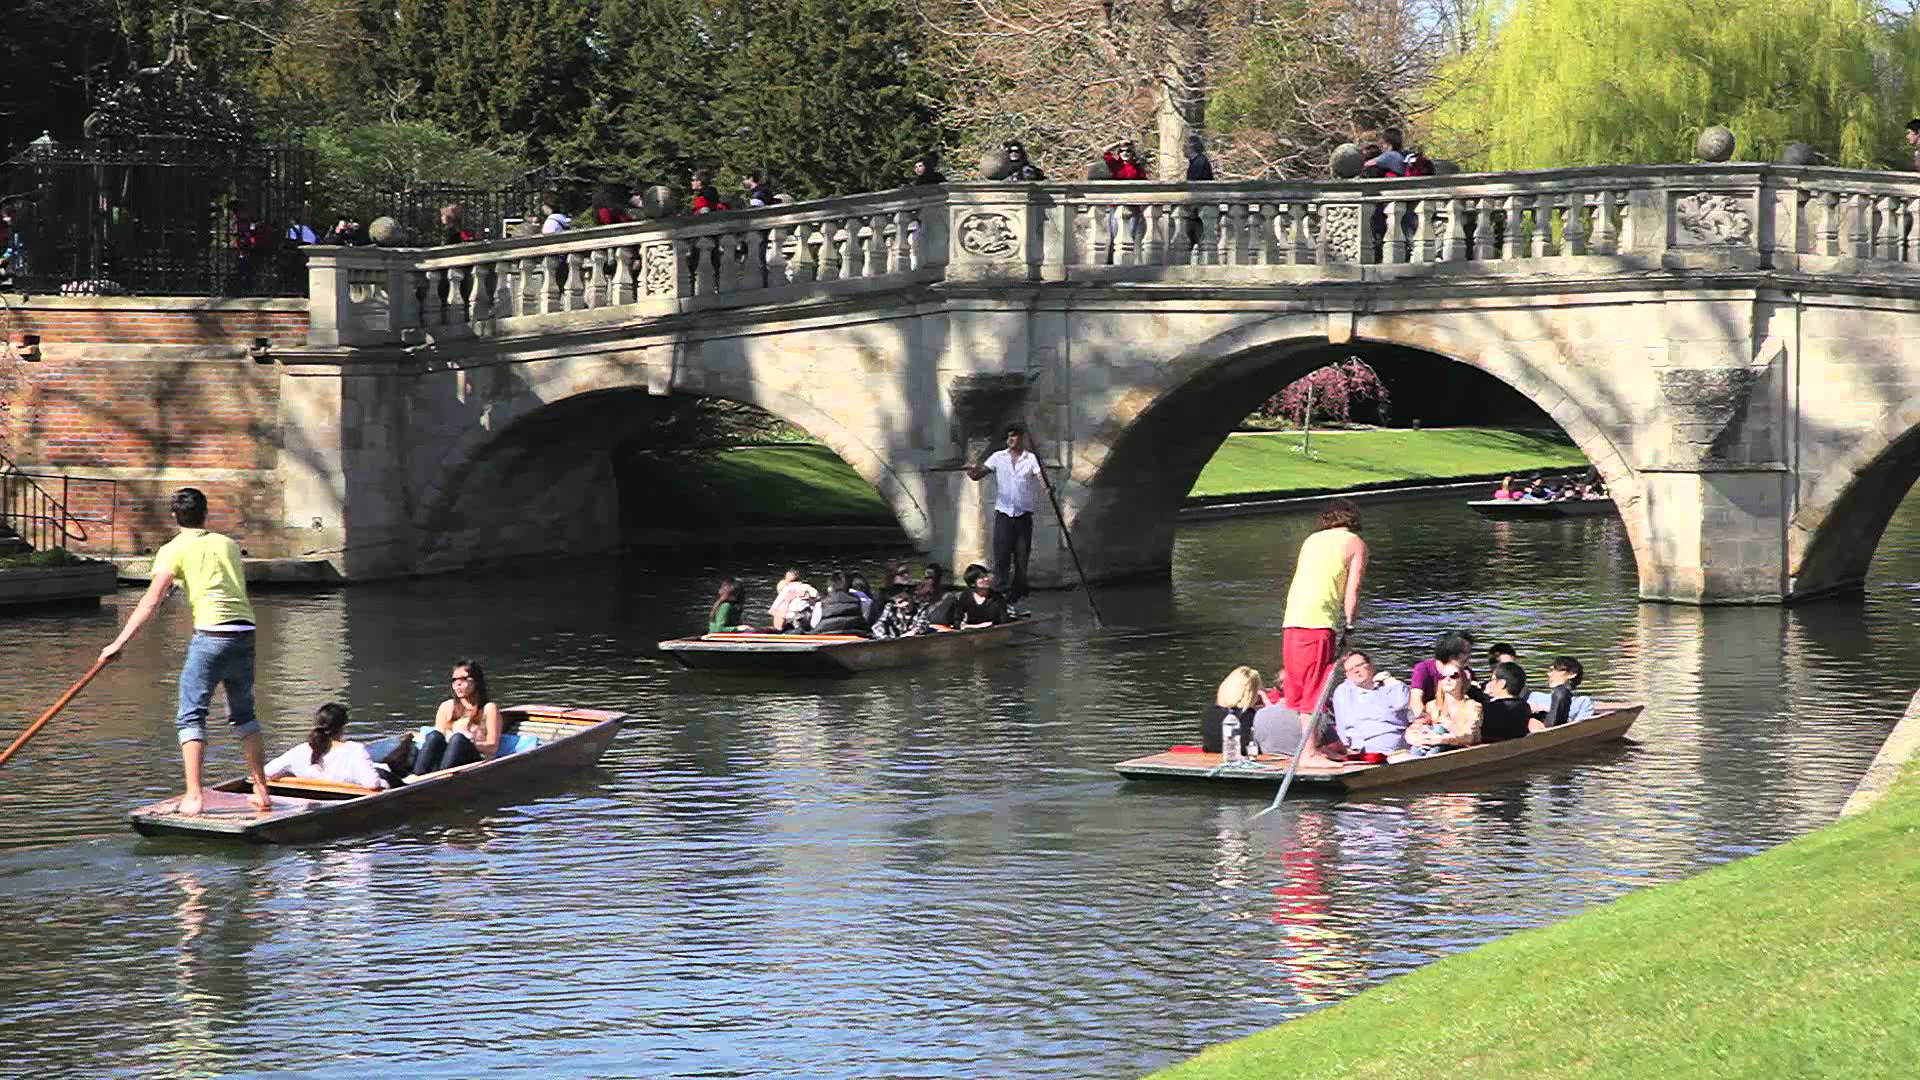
(306, 810)
(1527, 510)
(844, 654)
(1609, 722)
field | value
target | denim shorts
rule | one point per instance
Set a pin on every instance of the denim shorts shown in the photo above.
(216, 660)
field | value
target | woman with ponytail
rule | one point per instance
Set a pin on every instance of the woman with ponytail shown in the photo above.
(327, 755)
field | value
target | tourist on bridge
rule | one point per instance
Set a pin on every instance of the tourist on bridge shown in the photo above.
(926, 170)
(1018, 166)
(1199, 166)
(453, 225)
(1123, 161)
(1324, 596)
(1913, 141)
(706, 197)
(1016, 481)
(208, 566)
(1391, 161)
(759, 190)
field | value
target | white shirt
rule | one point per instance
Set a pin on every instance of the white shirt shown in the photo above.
(556, 222)
(344, 763)
(1014, 481)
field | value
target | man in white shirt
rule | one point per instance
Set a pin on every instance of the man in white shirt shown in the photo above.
(1016, 481)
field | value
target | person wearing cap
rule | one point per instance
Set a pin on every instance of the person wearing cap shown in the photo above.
(208, 566)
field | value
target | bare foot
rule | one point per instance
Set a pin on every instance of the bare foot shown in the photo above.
(262, 802)
(191, 803)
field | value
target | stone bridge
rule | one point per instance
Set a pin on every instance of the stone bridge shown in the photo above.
(1734, 346)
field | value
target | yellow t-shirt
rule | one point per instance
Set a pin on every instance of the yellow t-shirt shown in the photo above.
(207, 565)
(1317, 599)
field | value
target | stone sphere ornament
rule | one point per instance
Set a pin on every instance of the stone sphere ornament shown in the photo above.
(1714, 144)
(659, 201)
(1347, 161)
(1446, 167)
(995, 166)
(1797, 153)
(1099, 171)
(385, 231)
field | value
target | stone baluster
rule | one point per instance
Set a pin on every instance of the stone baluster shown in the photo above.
(1859, 223)
(1426, 231)
(458, 282)
(830, 250)
(706, 266)
(1454, 244)
(1206, 250)
(905, 226)
(777, 242)
(1270, 216)
(576, 297)
(480, 291)
(726, 263)
(527, 285)
(1236, 246)
(1886, 237)
(597, 284)
(1606, 233)
(804, 269)
(624, 290)
(1543, 207)
(1830, 223)
(1299, 235)
(1224, 244)
(1395, 251)
(553, 283)
(1153, 248)
(1100, 233)
(1912, 231)
(1573, 228)
(432, 310)
(505, 275)
(753, 260)
(1513, 241)
(1484, 247)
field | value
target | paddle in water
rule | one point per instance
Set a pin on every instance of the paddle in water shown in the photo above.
(1311, 731)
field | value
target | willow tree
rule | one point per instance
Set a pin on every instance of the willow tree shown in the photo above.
(1575, 82)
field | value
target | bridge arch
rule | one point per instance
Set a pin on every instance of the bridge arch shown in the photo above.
(1843, 512)
(519, 475)
(1141, 457)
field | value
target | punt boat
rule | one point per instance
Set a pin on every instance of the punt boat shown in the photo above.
(1608, 723)
(553, 739)
(844, 654)
(1528, 509)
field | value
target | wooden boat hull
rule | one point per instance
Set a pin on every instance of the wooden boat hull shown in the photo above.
(305, 811)
(1521, 510)
(1609, 723)
(835, 655)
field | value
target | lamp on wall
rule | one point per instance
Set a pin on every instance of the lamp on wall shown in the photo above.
(29, 348)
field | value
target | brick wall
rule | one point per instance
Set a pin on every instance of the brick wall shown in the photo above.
(153, 394)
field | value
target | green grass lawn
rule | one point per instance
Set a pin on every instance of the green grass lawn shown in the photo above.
(796, 484)
(1345, 459)
(1798, 962)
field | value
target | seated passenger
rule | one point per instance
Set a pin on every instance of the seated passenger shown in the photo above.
(896, 615)
(869, 607)
(729, 608)
(791, 591)
(1506, 715)
(1501, 654)
(840, 611)
(1559, 704)
(1370, 708)
(327, 755)
(1450, 650)
(467, 727)
(1505, 490)
(1536, 491)
(1452, 718)
(980, 605)
(1238, 696)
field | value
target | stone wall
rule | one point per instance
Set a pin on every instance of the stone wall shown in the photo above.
(154, 394)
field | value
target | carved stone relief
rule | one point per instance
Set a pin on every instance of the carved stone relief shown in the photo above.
(1340, 230)
(991, 236)
(1705, 218)
(658, 277)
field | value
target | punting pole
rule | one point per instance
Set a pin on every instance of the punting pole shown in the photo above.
(1098, 623)
(50, 713)
(1326, 695)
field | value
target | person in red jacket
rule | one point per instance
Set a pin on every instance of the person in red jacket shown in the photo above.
(1123, 161)
(706, 197)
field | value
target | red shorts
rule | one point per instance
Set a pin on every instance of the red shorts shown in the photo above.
(1306, 655)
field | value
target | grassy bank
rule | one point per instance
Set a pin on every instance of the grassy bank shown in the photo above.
(797, 484)
(1797, 962)
(1273, 463)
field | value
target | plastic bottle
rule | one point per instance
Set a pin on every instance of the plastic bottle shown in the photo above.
(1230, 740)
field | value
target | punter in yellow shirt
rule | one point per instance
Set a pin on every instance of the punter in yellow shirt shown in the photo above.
(1323, 598)
(207, 565)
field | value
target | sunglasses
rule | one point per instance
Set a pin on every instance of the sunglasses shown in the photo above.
(1450, 678)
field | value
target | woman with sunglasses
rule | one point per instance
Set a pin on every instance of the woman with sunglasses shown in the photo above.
(467, 727)
(1452, 719)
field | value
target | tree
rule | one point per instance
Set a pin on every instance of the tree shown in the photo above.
(649, 111)
(510, 73)
(354, 161)
(1329, 394)
(1571, 82)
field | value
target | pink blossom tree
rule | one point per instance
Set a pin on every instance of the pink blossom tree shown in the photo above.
(1329, 394)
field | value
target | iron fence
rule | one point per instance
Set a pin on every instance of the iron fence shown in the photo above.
(31, 510)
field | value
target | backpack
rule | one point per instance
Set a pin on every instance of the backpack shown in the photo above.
(1418, 164)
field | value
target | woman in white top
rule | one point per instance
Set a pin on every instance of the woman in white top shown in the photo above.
(327, 756)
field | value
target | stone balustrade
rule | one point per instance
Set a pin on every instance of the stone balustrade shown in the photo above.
(1570, 222)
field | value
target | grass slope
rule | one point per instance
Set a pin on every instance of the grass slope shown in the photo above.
(1271, 463)
(1798, 962)
(799, 484)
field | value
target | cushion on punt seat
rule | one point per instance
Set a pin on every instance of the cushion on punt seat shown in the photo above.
(514, 743)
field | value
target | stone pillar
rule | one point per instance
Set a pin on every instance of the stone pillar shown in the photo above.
(1005, 232)
(1716, 536)
(342, 469)
(350, 295)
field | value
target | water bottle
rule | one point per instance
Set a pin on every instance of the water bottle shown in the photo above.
(1230, 740)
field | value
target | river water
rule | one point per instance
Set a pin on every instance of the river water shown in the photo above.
(925, 873)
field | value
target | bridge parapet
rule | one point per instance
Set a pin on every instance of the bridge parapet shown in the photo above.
(1563, 223)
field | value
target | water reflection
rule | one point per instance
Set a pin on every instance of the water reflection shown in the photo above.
(924, 873)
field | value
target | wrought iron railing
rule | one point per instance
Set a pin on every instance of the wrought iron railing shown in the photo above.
(40, 509)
